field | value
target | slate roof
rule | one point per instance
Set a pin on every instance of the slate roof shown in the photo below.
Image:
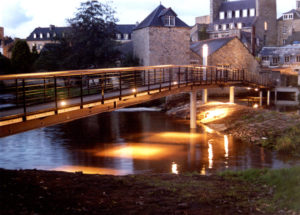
(213, 45)
(238, 5)
(154, 19)
(58, 30)
(7, 40)
(295, 12)
(283, 50)
(125, 29)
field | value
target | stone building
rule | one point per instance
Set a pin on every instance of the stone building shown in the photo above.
(199, 30)
(288, 26)
(162, 38)
(253, 21)
(6, 44)
(42, 36)
(124, 33)
(227, 52)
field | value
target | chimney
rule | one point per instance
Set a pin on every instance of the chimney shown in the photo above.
(253, 40)
(298, 5)
(52, 27)
(1, 32)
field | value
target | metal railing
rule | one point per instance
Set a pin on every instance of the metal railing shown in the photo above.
(25, 94)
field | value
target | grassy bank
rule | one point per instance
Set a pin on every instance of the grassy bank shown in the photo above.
(284, 184)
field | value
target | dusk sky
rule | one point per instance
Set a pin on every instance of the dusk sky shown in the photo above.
(20, 17)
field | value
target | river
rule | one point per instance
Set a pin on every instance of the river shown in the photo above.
(132, 141)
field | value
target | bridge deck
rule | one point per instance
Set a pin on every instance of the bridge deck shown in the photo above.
(104, 90)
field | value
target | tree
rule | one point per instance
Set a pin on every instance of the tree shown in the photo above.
(21, 57)
(92, 36)
(5, 65)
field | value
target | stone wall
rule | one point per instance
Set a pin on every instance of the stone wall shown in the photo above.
(162, 45)
(266, 12)
(140, 39)
(214, 9)
(290, 26)
(234, 53)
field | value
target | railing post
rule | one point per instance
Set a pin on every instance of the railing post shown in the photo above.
(211, 75)
(217, 71)
(102, 88)
(24, 100)
(243, 75)
(135, 84)
(178, 77)
(170, 78)
(17, 93)
(55, 95)
(81, 92)
(186, 76)
(120, 86)
(88, 86)
(163, 75)
(154, 76)
(160, 79)
(149, 82)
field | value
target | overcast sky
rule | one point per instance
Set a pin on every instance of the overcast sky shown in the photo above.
(20, 17)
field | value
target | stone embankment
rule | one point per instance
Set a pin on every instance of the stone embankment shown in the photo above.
(272, 129)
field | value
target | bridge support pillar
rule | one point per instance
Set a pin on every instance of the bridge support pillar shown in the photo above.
(193, 109)
(268, 98)
(260, 98)
(231, 94)
(204, 96)
(275, 96)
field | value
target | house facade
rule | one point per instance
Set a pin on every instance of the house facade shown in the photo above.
(162, 38)
(288, 26)
(253, 21)
(227, 52)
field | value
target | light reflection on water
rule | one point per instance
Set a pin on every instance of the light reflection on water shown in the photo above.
(127, 142)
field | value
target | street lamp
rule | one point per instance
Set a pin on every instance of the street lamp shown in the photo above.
(204, 55)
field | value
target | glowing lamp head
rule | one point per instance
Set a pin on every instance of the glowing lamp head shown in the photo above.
(175, 82)
(63, 103)
(134, 90)
(256, 89)
(255, 106)
(205, 50)
(248, 88)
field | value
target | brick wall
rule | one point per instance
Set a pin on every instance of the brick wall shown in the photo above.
(162, 46)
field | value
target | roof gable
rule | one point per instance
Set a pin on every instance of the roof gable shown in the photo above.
(213, 45)
(154, 18)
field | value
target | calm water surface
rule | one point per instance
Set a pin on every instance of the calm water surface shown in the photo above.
(132, 141)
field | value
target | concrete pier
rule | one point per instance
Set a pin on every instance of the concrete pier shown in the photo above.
(231, 94)
(193, 109)
(204, 96)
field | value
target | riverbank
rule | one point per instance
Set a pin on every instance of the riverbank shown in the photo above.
(45, 192)
(271, 129)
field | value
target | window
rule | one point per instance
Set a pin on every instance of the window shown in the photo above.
(232, 26)
(245, 12)
(54, 34)
(240, 25)
(169, 20)
(291, 16)
(222, 15)
(265, 58)
(284, 42)
(224, 27)
(216, 27)
(275, 60)
(298, 4)
(257, 42)
(125, 36)
(266, 26)
(284, 29)
(237, 14)
(298, 58)
(48, 35)
(286, 59)
(1, 50)
(34, 36)
(229, 14)
(288, 16)
(118, 36)
(63, 34)
(252, 12)
(41, 35)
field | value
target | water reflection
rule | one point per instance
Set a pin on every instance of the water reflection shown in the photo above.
(131, 142)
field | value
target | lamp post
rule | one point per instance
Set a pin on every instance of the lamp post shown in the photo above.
(204, 54)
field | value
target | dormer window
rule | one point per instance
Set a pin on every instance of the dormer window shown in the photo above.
(222, 15)
(288, 16)
(54, 34)
(245, 12)
(224, 27)
(252, 12)
(118, 36)
(48, 35)
(237, 14)
(232, 26)
(34, 36)
(229, 14)
(169, 20)
(41, 35)
(126, 37)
